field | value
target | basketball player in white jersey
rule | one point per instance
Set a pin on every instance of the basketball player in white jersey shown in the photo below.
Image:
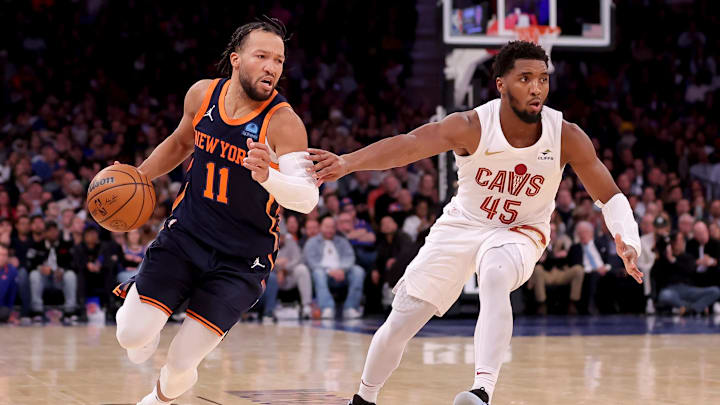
(510, 154)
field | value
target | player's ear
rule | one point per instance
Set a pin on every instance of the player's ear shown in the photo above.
(235, 59)
(499, 84)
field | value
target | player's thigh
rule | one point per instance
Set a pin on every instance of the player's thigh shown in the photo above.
(508, 266)
(442, 267)
(226, 292)
(166, 274)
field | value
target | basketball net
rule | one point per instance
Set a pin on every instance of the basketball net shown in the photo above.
(543, 35)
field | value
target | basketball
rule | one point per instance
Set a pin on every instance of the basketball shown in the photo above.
(120, 199)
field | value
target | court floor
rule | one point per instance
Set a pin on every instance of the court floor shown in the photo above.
(559, 361)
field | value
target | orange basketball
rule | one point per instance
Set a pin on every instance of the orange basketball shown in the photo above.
(120, 199)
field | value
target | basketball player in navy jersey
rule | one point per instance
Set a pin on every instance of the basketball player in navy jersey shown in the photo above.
(218, 246)
(510, 154)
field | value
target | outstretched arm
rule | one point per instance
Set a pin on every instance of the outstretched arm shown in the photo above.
(180, 144)
(460, 131)
(578, 150)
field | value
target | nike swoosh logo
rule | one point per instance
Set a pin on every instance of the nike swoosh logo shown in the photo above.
(488, 153)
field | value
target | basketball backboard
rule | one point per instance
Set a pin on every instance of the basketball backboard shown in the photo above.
(474, 23)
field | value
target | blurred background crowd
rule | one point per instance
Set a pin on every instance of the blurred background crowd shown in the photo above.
(80, 89)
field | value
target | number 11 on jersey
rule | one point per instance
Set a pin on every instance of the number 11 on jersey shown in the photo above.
(210, 182)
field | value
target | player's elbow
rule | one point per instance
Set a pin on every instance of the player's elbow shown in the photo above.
(305, 204)
(310, 202)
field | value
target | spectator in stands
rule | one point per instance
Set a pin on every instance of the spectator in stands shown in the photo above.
(428, 188)
(394, 248)
(403, 208)
(706, 252)
(289, 272)
(6, 208)
(587, 254)
(360, 235)
(685, 225)
(51, 261)
(92, 281)
(553, 269)
(332, 261)
(647, 258)
(332, 205)
(74, 198)
(133, 254)
(8, 284)
(391, 192)
(292, 227)
(22, 241)
(564, 207)
(311, 229)
(674, 273)
(420, 221)
(359, 192)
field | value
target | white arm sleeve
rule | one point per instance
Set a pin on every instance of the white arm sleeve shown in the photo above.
(292, 186)
(619, 220)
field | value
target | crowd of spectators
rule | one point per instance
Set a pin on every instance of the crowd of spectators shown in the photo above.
(82, 88)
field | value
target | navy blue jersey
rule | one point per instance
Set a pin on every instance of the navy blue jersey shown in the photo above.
(220, 204)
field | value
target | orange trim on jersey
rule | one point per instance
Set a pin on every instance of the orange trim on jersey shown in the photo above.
(272, 264)
(273, 221)
(266, 122)
(122, 293)
(205, 104)
(519, 229)
(179, 197)
(156, 304)
(247, 117)
(192, 160)
(275, 165)
(213, 328)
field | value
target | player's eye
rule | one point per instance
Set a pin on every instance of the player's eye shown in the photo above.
(261, 56)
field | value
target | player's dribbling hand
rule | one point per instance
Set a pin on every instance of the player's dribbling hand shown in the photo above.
(258, 160)
(629, 257)
(328, 166)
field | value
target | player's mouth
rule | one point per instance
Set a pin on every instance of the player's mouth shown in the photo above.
(266, 83)
(535, 105)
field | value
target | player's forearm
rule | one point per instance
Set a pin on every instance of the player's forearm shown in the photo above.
(396, 151)
(166, 156)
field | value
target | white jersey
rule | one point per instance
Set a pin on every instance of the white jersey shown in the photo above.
(505, 198)
(503, 186)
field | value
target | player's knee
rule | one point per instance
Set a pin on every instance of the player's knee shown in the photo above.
(131, 335)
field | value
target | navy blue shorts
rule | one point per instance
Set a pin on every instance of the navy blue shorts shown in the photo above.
(220, 287)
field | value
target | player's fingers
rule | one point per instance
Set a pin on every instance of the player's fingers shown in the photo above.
(259, 154)
(328, 171)
(321, 165)
(117, 163)
(320, 157)
(315, 151)
(259, 146)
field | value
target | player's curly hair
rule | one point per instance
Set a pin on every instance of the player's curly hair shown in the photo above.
(514, 50)
(265, 23)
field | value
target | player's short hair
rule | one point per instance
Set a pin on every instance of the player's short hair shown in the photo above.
(514, 50)
(265, 23)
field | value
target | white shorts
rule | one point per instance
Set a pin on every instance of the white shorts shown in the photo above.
(454, 249)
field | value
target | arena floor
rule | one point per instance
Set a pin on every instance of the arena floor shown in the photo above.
(618, 360)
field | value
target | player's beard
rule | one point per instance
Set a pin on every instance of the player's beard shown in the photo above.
(249, 88)
(524, 116)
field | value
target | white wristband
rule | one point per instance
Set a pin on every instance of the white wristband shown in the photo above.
(620, 220)
(292, 186)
